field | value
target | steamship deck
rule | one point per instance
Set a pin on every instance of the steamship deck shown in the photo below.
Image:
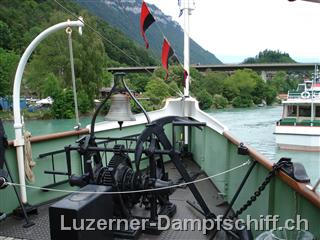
(12, 228)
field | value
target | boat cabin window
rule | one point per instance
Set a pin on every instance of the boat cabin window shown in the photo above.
(308, 85)
(292, 111)
(318, 111)
(304, 111)
(301, 88)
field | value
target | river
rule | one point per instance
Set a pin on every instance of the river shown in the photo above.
(253, 126)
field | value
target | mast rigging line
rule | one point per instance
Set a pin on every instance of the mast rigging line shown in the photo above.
(163, 36)
(100, 35)
(109, 41)
(136, 191)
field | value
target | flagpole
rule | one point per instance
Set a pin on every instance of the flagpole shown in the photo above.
(186, 64)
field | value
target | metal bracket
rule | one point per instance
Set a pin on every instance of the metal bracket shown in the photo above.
(316, 186)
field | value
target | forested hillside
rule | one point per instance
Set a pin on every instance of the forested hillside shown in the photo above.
(125, 15)
(21, 21)
(270, 56)
(48, 71)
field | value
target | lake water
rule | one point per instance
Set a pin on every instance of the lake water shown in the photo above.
(253, 126)
(41, 127)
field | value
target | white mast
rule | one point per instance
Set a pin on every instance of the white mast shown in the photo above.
(186, 65)
(186, 58)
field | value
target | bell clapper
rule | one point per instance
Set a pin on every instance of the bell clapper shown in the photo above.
(120, 124)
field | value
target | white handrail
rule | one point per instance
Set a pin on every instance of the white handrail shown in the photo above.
(19, 141)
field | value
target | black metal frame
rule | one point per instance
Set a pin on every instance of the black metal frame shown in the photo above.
(154, 130)
(105, 141)
(155, 135)
(53, 172)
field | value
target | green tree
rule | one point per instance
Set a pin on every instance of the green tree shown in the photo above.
(53, 56)
(213, 82)
(5, 35)
(242, 101)
(242, 82)
(219, 101)
(52, 87)
(31, 34)
(205, 99)
(258, 95)
(174, 89)
(270, 56)
(63, 105)
(270, 95)
(84, 102)
(8, 65)
(138, 82)
(282, 83)
(157, 90)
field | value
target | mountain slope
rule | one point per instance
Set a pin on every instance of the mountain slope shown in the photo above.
(49, 65)
(125, 15)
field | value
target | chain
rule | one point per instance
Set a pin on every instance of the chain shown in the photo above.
(257, 193)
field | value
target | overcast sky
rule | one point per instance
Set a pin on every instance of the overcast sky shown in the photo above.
(236, 29)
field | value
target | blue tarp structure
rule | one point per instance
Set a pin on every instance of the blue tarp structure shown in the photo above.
(6, 103)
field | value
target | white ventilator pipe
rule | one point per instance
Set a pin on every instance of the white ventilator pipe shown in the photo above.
(19, 141)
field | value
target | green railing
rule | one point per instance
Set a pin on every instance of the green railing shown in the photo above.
(298, 94)
(294, 94)
(294, 122)
(215, 153)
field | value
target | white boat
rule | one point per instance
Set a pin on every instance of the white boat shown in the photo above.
(299, 127)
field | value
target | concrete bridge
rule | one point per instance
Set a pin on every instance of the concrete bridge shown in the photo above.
(229, 67)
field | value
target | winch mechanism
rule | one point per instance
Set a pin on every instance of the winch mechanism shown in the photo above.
(140, 184)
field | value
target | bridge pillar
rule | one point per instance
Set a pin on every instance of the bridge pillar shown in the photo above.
(264, 76)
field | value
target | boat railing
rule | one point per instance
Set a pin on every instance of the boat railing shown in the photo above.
(315, 187)
(53, 172)
(294, 122)
(303, 95)
(294, 94)
(301, 188)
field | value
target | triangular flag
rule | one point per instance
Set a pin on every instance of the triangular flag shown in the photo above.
(146, 19)
(167, 52)
(185, 76)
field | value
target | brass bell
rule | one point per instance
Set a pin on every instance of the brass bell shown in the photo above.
(120, 109)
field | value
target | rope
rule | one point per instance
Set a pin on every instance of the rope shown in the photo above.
(180, 94)
(109, 41)
(69, 32)
(101, 36)
(136, 191)
(28, 162)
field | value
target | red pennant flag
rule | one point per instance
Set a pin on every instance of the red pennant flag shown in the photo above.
(146, 19)
(185, 76)
(167, 52)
